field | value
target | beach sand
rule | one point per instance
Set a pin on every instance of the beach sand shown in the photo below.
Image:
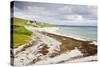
(86, 47)
(51, 48)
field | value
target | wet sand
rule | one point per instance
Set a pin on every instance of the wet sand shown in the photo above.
(68, 44)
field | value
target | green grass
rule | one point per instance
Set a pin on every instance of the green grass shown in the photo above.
(22, 22)
(18, 21)
(21, 30)
(19, 39)
(20, 36)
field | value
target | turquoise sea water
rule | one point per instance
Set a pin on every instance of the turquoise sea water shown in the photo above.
(85, 32)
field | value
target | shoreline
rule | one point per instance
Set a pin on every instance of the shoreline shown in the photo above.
(83, 50)
(50, 46)
(53, 30)
(68, 42)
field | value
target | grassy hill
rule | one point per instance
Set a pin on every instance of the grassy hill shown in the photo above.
(18, 21)
(22, 22)
(22, 35)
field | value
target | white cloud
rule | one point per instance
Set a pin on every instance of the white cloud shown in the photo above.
(74, 17)
(57, 14)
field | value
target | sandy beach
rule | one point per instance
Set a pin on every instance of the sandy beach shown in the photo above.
(50, 48)
(52, 33)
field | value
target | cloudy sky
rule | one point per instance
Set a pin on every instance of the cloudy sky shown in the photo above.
(62, 14)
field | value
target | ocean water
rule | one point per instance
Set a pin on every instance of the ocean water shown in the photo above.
(84, 32)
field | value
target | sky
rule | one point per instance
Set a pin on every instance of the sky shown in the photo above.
(60, 14)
